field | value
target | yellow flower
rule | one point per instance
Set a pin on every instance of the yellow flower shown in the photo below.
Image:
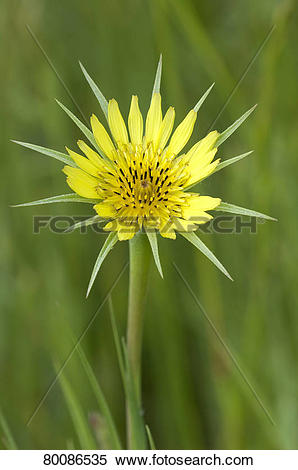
(139, 178)
(142, 181)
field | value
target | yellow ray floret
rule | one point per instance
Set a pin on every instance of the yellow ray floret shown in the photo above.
(143, 181)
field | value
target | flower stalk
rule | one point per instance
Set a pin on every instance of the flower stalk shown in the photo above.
(139, 257)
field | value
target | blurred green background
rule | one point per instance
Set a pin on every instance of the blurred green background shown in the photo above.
(193, 395)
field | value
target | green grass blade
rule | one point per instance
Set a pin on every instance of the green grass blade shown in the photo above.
(156, 86)
(138, 427)
(9, 440)
(232, 160)
(197, 242)
(226, 207)
(63, 157)
(85, 223)
(61, 198)
(154, 247)
(106, 248)
(113, 437)
(117, 342)
(201, 101)
(79, 420)
(138, 430)
(100, 97)
(231, 129)
(150, 438)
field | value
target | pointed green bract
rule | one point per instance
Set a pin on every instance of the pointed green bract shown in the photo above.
(63, 157)
(61, 198)
(201, 101)
(231, 129)
(9, 440)
(156, 86)
(114, 439)
(154, 247)
(226, 207)
(83, 128)
(150, 438)
(232, 160)
(85, 223)
(100, 97)
(76, 412)
(197, 242)
(107, 246)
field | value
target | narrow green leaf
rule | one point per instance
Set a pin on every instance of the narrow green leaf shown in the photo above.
(117, 342)
(100, 97)
(77, 415)
(9, 440)
(61, 198)
(107, 246)
(154, 247)
(230, 161)
(63, 157)
(83, 128)
(231, 129)
(85, 223)
(197, 242)
(201, 101)
(113, 439)
(138, 430)
(150, 438)
(156, 86)
(226, 207)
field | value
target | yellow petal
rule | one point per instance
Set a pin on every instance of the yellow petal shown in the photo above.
(166, 128)
(102, 137)
(135, 122)
(202, 173)
(105, 210)
(204, 145)
(124, 234)
(82, 183)
(116, 123)
(197, 205)
(185, 226)
(91, 154)
(83, 163)
(153, 120)
(167, 229)
(183, 132)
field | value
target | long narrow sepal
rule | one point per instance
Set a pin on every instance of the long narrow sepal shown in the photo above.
(197, 242)
(82, 127)
(201, 101)
(226, 207)
(61, 198)
(231, 129)
(154, 247)
(106, 248)
(100, 97)
(63, 157)
(156, 86)
(231, 161)
(85, 223)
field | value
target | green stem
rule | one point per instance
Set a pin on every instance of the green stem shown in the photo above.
(139, 261)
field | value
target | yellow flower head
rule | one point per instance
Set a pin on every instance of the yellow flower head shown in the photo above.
(141, 177)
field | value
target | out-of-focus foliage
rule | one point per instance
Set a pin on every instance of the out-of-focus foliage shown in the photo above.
(193, 395)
